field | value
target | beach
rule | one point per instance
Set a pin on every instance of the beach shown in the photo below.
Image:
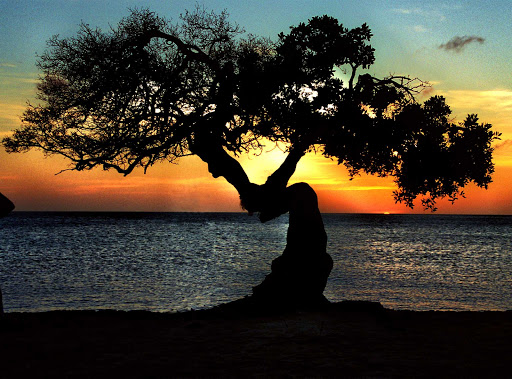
(347, 339)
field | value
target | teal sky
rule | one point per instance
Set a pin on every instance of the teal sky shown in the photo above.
(407, 34)
(407, 37)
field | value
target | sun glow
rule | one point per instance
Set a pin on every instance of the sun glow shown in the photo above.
(29, 181)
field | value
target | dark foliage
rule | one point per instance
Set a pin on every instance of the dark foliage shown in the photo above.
(150, 90)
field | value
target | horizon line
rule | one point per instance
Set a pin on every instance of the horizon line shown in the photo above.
(243, 212)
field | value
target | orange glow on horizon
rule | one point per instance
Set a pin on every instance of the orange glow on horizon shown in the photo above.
(30, 182)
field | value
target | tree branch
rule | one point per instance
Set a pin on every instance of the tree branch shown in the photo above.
(220, 163)
(189, 50)
(407, 85)
(279, 179)
(352, 76)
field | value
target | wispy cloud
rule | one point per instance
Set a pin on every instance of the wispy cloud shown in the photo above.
(503, 153)
(8, 177)
(367, 188)
(7, 64)
(407, 11)
(420, 29)
(10, 117)
(16, 80)
(425, 13)
(495, 101)
(4, 134)
(457, 44)
(504, 145)
(492, 106)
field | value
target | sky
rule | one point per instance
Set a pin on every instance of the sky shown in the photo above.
(463, 48)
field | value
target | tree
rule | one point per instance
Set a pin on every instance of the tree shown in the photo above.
(150, 90)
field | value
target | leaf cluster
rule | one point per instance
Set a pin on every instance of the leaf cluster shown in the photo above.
(429, 155)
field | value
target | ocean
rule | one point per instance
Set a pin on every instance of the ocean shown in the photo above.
(168, 262)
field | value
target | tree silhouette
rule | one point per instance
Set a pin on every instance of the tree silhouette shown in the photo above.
(150, 90)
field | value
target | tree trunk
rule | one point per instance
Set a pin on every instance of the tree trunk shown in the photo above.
(299, 275)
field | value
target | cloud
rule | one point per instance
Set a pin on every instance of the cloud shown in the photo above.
(7, 64)
(457, 44)
(4, 134)
(493, 101)
(407, 11)
(504, 145)
(10, 117)
(367, 188)
(420, 29)
(503, 153)
(434, 14)
(492, 106)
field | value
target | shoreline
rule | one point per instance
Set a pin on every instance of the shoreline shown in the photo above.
(350, 339)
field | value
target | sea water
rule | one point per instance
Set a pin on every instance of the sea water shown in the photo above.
(179, 261)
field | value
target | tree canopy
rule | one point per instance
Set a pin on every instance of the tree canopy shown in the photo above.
(151, 90)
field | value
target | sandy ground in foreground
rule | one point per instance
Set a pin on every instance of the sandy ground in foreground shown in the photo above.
(341, 341)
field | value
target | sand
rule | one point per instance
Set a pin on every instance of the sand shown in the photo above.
(343, 340)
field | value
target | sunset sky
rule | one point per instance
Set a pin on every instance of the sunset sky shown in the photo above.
(410, 37)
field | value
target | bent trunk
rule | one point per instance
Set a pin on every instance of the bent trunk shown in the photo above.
(299, 275)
